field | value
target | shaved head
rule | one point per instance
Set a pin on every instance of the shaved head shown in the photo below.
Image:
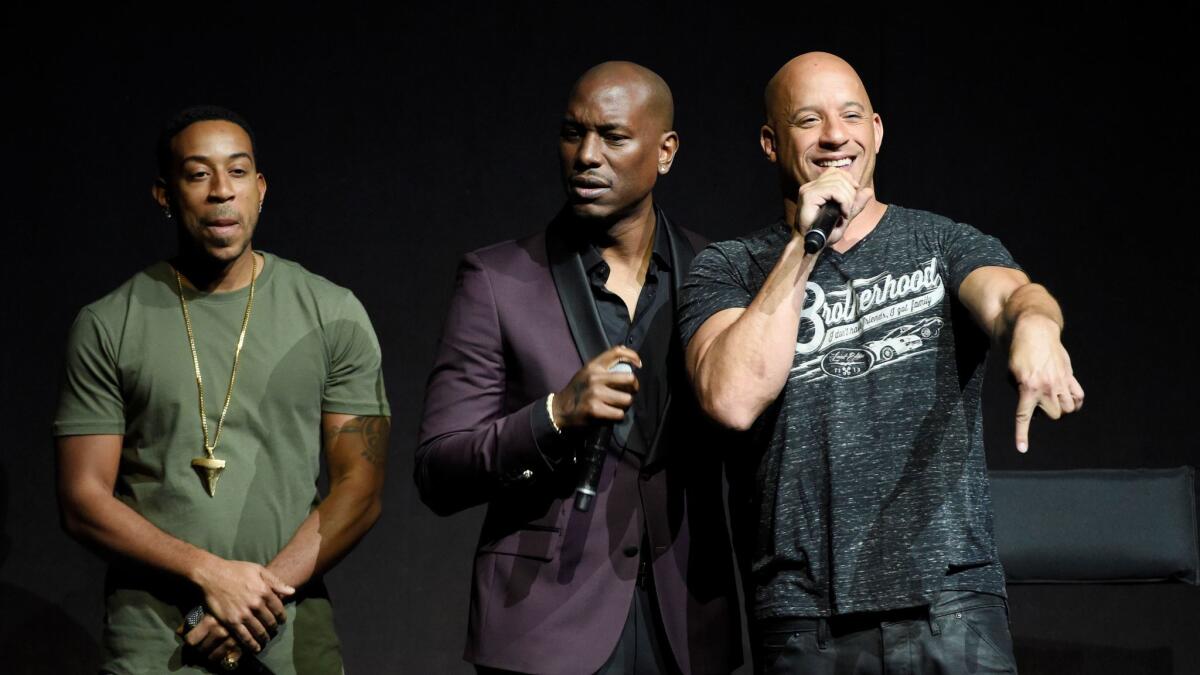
(615, 141)
(648, 89)
(808, 70)
(819, 118)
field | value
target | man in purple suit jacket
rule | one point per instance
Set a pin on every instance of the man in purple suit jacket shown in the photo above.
(643, 581)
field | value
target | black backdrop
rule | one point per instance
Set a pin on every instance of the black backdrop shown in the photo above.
(393, 144)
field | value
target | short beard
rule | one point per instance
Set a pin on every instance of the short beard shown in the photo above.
(197, 256)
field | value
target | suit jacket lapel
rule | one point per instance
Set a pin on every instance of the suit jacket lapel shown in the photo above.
(661, 345)
(575, 293)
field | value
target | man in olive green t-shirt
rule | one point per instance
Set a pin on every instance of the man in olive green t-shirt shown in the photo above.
(197, 400)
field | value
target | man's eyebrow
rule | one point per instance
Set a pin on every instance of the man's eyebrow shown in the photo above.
(615, 126)
(796, 113)
(204, 158)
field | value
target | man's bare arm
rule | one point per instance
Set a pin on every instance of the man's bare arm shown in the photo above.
(87, 472)
(1026, 318)
(243, 595)
(739, 359)
(356, 453)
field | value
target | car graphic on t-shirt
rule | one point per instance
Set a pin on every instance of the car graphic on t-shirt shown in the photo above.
(905, 338)
(890, 347)
(846, 363)
(929, 327)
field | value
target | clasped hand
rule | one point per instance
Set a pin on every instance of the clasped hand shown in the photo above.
(244, 604)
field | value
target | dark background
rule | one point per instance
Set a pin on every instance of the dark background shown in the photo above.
(393, 144)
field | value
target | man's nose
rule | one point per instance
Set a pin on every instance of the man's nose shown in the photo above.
(833, 132)
(589, 151)
(221, 187)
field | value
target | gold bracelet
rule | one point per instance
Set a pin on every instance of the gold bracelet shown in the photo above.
(550, 412)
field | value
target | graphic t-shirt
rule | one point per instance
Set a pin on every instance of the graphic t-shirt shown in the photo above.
(309, 349)
(863, 487)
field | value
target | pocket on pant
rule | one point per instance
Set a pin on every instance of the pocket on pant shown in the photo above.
(774, 646)
(977, 639)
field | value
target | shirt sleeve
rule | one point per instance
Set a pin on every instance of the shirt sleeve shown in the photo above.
(966, 249)
(354, 385)
(716, 282)
(90, 400)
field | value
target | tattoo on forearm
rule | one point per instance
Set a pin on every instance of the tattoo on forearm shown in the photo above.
(373, 432)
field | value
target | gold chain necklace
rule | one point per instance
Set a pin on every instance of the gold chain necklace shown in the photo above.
(208, 466)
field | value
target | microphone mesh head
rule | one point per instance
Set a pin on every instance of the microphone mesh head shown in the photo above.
(193, 617)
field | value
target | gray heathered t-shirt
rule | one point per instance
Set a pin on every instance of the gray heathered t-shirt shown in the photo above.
(863, 487)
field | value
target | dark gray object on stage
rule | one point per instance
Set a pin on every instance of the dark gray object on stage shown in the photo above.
(1097, 525)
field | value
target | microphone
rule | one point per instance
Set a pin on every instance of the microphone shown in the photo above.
(594, 452)
(246, 663)
(818, 234)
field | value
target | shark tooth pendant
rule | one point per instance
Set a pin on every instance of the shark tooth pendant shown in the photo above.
(209, 469)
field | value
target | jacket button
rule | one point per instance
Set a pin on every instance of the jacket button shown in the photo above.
(630, 551)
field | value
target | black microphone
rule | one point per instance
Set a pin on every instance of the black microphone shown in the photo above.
(594, 452)
(818, 234)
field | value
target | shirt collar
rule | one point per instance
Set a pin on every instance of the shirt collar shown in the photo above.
(660, 257)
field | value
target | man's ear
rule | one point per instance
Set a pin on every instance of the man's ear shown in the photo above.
(667, 147)
(159, 192)
(766, 138)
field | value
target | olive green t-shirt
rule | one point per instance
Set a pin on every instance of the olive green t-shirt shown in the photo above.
(309, 348)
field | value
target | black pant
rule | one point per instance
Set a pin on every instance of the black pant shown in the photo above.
(960, 632)
(642, 647)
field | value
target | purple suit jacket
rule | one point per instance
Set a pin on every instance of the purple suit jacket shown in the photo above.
(552, 586)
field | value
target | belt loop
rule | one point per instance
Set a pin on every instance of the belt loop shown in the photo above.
(822, 633)
(935, 628)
